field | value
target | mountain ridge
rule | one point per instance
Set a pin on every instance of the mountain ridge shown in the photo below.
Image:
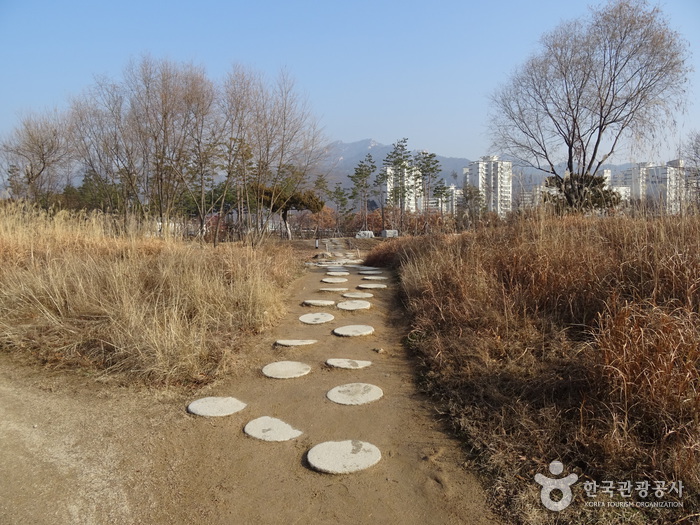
(343, 157)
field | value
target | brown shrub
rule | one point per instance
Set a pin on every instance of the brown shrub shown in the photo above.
(160, 310)
(521, 337)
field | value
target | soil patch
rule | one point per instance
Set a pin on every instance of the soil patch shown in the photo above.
(81, 451)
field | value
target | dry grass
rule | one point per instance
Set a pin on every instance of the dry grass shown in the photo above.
(74, 290)
(563, 338)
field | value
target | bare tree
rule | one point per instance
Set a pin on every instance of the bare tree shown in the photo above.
(202, 138)
(236, 104)
(106, 145)
(691, 168)
(161, 103)
(286, 146)
(691, 151)
(165, 138)
(37, 157)
(621, 73)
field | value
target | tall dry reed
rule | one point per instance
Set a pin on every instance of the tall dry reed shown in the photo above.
(567, 338)
(74, 290)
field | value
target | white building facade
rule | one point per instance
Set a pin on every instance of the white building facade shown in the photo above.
(494, 179)
(662, 185)
(402, 189)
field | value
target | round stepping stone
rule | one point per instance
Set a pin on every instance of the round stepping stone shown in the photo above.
(354, 330)
(318, 318)
(337, 273)
(215, 406)
(286, 369)
(295, 342)
(271, 429)
(349, 364)
(368, 268)
(370, 272)
(374, 278)
(343, 457)
(334, 280)
(318, 302)
(333, 290)
(371, 286)
(354, 305)
(355, 394)
(358, 295)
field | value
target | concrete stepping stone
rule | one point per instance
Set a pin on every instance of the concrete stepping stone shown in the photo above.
(354, 330)
(318, 302)
(371, 286)
(271, 429)
(355, 304)
(374, 278)
(355, 394)
(318, 318)
(348, 364)
(343, 457)
(215, 406)
(337, 273)
(358, 295)
(334, 280)
(295, 342)
(286, 369)
(368, 268)
(333, 289)
(370, 272)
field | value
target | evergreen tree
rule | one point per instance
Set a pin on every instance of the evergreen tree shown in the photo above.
(361, 185)
(426, 168)
(440, 192)
(590, 192)
(339, 197)
(397, 176)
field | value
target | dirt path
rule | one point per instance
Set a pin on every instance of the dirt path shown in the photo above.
(77, 451)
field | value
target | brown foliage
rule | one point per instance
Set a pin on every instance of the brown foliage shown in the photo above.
(571, 339)
(154, 309)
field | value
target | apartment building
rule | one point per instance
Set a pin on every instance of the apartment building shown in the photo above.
(402, 189)
(494, 179)
(662, 185)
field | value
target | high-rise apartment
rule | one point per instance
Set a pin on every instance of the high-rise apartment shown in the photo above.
(494, 179)
(659, 185)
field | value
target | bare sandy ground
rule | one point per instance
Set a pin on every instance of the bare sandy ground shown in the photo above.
(75, 450)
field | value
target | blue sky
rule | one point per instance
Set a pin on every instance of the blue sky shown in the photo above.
(376, 69)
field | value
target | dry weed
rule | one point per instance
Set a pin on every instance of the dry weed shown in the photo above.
(563, 338)
(164, 311)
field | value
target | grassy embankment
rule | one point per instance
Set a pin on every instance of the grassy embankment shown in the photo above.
(564, 338)
(75, 291)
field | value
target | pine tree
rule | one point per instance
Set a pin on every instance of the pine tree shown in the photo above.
(361, 185)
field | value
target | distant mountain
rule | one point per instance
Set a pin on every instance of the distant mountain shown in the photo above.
(343, 157)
